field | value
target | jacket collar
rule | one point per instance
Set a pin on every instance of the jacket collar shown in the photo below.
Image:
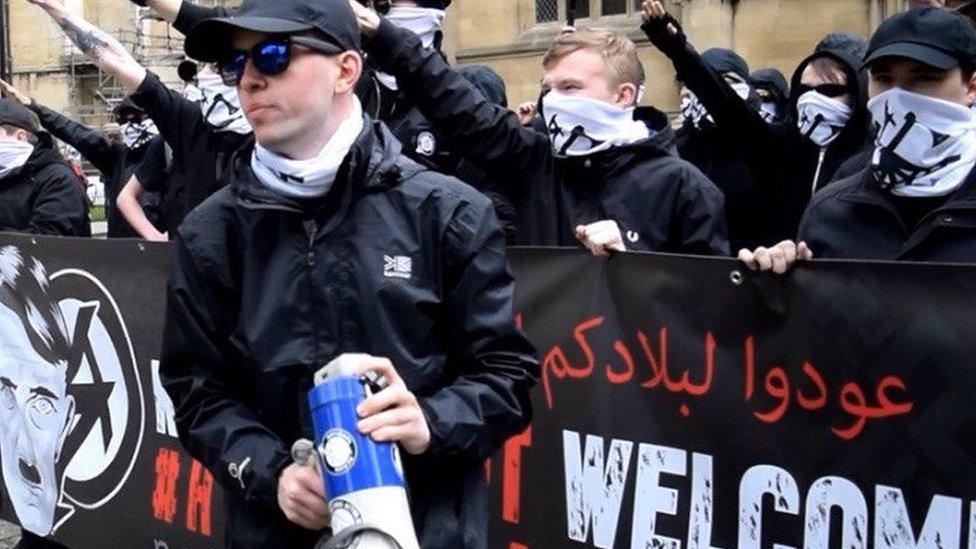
(868, 191)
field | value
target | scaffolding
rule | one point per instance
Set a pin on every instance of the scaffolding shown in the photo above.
(153, 43)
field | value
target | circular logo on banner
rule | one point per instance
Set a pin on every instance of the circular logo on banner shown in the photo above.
(426, 143)
(73, 413)
(338, 451)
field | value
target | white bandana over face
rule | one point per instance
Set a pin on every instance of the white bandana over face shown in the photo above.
(314, 177)
(768, 110)
(580, 126)
(924, 146)
(137, 134)
(13, 154)
(424, 22)
(821, 118)
(693, 110)
(220, 104)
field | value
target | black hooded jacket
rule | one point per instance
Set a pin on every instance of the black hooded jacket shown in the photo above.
(711, 149)
(248, 259)
(774, 83)
(113, 160)
(787, 166)
(659, 201)
(44, 196)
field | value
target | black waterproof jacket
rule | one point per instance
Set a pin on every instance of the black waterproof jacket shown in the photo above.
(266, 290)
(200, 153)
(855, 219)
(787, 167)
(660, 202)
(44, 196)
(113, 160)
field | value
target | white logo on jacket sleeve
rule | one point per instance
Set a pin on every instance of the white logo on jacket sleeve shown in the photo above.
(426, 143)
(397, 266)
(633, 236)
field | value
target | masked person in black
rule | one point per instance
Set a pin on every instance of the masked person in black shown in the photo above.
(774, 92)
(915, 197)
(605, 173)
(710, 149)
(38, 191)
(202, 136)
(790, 160)
(115, 160)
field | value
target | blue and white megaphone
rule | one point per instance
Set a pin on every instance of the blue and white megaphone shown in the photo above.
(363, 479)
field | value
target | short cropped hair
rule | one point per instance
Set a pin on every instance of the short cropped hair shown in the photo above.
(618, 51)
(31, 136)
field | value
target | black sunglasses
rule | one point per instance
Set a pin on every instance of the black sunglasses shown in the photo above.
(830, 90)
(270, 57)
(129, 117)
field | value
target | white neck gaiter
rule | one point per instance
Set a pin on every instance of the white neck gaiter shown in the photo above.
(137, 134)
(220, 105)
(694, 111)
(314, 177)
(925, 147)
(13, 155)
(821, 118)
(424, 22)
(579, 126)
(768, 110)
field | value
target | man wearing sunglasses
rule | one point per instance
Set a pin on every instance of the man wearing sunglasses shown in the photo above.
(327, 240)
(914, 198)
(790, 160)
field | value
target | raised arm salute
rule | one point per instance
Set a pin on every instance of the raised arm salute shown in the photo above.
(603, 159)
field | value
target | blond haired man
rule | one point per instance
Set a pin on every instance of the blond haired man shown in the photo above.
(606, 175)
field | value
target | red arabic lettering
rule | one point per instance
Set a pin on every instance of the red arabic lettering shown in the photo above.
(556, 362)
(618, 378)
(815, 402)
(853, 402)
(777, 385)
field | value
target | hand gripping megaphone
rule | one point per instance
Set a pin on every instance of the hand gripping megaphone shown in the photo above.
(363, 479)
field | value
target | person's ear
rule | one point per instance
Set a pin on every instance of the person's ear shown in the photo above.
(21, 135)
(626, 95)
(350, 69)
(66, 428)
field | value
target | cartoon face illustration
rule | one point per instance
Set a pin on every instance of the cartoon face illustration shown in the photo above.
(35, 414)
(35, 409)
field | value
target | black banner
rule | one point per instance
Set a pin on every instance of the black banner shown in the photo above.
(88, 449)
(685, 402)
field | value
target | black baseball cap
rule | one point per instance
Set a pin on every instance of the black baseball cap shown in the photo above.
(14, 114)
(935, 36)
(333, 19)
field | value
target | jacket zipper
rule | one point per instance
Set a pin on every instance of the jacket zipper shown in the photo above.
(816, 176)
